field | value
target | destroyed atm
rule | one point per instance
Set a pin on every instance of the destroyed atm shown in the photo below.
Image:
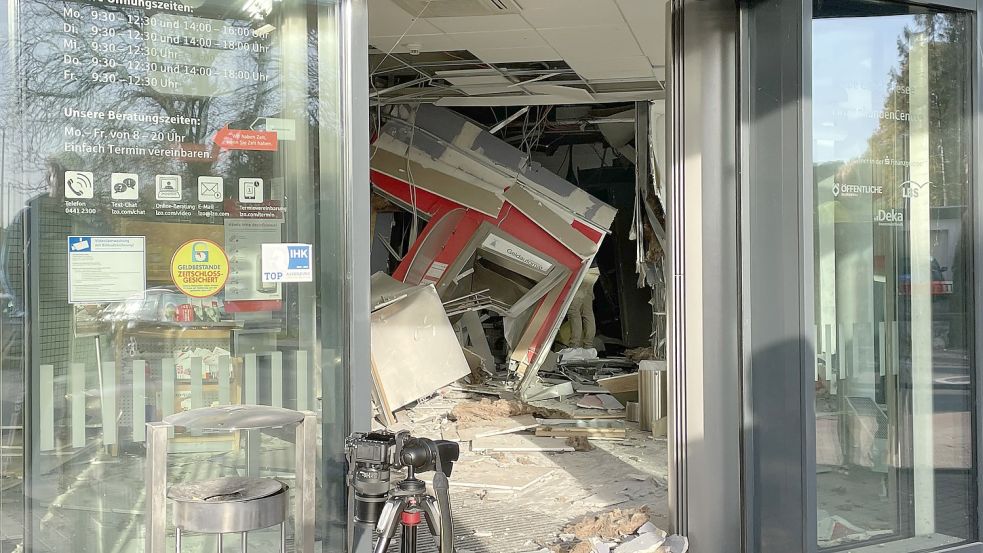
(502, 233)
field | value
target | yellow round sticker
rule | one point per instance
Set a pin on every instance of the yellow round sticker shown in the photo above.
(199, 268)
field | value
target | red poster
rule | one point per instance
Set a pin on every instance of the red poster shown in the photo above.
(246, 139)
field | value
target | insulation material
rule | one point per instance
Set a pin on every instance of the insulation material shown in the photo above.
(611, 525)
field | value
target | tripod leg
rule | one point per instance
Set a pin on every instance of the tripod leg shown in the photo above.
(408, 540)
(430, 508)
(388, 522)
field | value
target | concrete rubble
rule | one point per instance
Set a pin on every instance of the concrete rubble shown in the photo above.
(581, 479)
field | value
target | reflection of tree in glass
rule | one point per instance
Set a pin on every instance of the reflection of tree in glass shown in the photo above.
(947, 38)
(101, 61)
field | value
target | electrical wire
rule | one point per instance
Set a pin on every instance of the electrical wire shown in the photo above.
(386, 57)
(398, 40)
(409, 174)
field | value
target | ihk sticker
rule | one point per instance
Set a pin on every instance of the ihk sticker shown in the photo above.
(287, 263)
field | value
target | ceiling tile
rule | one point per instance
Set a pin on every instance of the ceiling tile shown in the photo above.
(388, 19)
(469, 77)
(545, 14)
(506, 22)
(523, 54)
(647, 19)
(571, 92)
(427, 43)
(613, 68)
(608, 41)
(516, 39)
(481, 90)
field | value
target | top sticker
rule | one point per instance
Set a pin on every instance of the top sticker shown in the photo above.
(288, 263)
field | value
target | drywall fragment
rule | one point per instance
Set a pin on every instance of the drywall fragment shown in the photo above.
(560, 390)
(645, 543)
(675, 544)
(649, 528)
(590, 402)
(601, 547)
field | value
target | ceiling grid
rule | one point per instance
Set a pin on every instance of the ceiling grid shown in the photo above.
(587, 51)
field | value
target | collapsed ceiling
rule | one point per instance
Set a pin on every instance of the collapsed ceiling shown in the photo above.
(516, 52)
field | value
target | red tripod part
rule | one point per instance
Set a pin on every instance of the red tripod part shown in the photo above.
(411, 518)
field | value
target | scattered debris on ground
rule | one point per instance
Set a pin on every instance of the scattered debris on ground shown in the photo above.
(579, 443)
(618, 531)
(614, 524)
(471, 413)
(554, 465)
(558, 477)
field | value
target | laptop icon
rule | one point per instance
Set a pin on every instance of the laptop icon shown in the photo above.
(168, 187)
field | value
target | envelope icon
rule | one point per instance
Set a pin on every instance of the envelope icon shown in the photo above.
(210, 189)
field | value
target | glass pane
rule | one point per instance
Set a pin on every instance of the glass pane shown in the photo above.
(168, 169)
(892, 155)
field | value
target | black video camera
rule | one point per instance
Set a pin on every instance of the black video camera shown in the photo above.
(373, 455)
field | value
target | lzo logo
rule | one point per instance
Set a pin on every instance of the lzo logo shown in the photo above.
(911, 189)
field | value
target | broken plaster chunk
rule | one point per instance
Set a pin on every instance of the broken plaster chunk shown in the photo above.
(645, 543)
(675, 544)
(600, 546)
(649, 528)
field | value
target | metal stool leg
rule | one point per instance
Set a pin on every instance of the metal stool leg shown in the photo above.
(221, 543)
(283, 537)
(177, 539)
(245, 545)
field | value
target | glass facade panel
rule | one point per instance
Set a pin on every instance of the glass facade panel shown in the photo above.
(173, 236)
(892, 169)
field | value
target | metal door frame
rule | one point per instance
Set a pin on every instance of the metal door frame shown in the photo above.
(778, 474)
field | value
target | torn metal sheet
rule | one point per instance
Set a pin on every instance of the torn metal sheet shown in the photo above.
(446, 138)
(385, 290)
(415, 350)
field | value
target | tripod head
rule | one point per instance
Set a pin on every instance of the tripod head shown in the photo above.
(425, 455)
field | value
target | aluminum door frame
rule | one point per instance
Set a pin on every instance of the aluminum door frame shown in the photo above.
(703, 348)
(778, 475)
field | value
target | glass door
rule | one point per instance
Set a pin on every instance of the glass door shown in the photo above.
(174, 236)
(893, 165)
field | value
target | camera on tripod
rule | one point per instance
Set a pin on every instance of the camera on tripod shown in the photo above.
(372, 458)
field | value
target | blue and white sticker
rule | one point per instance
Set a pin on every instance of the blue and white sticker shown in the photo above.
(288, 263)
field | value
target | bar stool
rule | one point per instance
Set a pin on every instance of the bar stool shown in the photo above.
(232, 504)
(229, 505)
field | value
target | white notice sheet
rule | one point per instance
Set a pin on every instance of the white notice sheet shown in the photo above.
(103, 269)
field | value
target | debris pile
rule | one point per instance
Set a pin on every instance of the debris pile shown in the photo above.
(485, 410)
(551, 451)
(550, 461)
(618, 531)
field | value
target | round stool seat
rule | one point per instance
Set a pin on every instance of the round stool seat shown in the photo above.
(231, 504)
